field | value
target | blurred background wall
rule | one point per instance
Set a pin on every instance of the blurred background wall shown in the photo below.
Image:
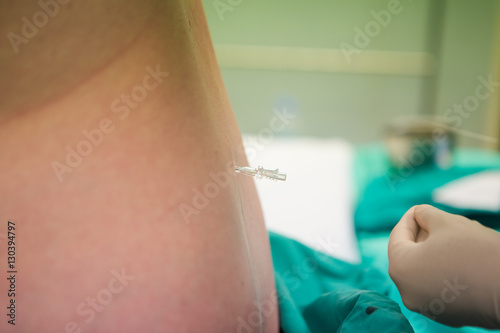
(346, 68)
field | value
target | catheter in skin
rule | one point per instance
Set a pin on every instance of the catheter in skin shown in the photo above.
(260, 172)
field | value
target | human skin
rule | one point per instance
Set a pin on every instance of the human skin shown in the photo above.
(120, 208)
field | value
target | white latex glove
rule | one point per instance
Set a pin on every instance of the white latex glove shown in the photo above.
(447, 267)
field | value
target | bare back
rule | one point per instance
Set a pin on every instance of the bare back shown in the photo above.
(117, 142)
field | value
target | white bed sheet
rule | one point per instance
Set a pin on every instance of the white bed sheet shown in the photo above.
(480, 191)
(315, 204)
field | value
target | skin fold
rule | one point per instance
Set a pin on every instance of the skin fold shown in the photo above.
(117, 237)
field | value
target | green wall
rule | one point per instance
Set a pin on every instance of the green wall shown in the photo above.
(458, 34)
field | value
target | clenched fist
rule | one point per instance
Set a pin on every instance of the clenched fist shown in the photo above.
(447, 267)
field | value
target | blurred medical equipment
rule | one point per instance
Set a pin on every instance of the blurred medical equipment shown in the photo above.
(419, 141)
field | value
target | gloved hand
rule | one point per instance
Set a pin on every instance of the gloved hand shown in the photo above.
(447, 267)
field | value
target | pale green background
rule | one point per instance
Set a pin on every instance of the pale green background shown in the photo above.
(459, 33)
